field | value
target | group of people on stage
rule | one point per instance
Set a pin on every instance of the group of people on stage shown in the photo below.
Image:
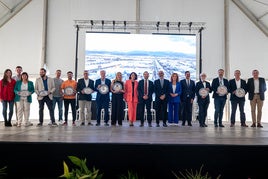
(173, 98)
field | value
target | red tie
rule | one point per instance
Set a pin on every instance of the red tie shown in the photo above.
(145, 87)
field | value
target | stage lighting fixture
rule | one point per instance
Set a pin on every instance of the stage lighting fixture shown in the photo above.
(125, 25)
(113, 24)
(190, 26)
(91, 22)
(157, 26)
(167, 25)
(179, 26)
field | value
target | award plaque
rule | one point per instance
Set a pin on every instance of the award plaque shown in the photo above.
(43, 93)
(103, 89)
(240, 92)
(24, 93)
(117, 86)
(68, 91)
(88, 90)
(203, 92)
(222, 90)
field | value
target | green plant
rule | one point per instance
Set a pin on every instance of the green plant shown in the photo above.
(193, 175)
(130, 175)
(3, 173)
(80, 171)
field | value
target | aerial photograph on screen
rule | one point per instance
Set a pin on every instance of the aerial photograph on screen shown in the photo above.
(126, 53)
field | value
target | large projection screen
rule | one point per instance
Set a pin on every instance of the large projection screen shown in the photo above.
(125, 53)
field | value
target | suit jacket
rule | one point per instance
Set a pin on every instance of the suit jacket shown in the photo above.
(128, 91)
(177, 91)
(250, 87)
(159, 90)
(200, 85)
(102, 97)
(187, 91)
(233, 87)
(216, 84)
(17, 89)
(39, 86)
(141, 90)
(81, 85)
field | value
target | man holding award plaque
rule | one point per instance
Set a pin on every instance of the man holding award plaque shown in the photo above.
(68, 88)
(202, 91)
(85, 88)
(102, 86)
(256, 87)
(238, 89)
(220, 88)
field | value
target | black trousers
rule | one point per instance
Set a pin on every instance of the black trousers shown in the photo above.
(203, 109)
(187, 111)
(66, 108)
(49, 104)
(161, 111)
(117, 109)
(140, 111)
(241, 105)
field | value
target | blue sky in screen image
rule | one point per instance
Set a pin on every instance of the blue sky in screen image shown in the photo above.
(126, 53)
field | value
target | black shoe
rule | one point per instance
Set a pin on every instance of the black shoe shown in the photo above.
(106, 124)
(201, 125)
(150, 125)
(98, 124)
(253, 125)
(190, 124)
(82, 124)
(183, 124)
(164, 125)
(157, 125)
(221, 125)
(141, 125)
(205, 125)
(244, 125)
(259, 125)
(39, 124)
(90, 124)
(216, 125)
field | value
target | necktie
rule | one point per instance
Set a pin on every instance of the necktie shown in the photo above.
(145, 87)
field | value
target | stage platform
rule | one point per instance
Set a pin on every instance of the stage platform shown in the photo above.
(152, 152)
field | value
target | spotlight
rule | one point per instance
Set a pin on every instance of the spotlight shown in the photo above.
(125, 25)
(190, 26)
(167, 25)
(102, 24)
(113, 24)
(179, 26)
(202, 28)
(157, 26)
(91, 22)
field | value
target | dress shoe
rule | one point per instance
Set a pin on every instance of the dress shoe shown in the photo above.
(202, 125)
(157, 125)
(244, 125)
(82, 124)
(98, 124)
(205, 125)
(253, 125)
(259, 125)
(221, 125)
(131, 124)
(90, 124)
(164, 125)
(216, 125)
(190, 124)
(232, 125)
(106, 124)
(150, 125)
(141, 125)
(183, 124)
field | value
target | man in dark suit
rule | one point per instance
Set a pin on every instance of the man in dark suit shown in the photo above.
(84, 99)
(145, 92)
(103, 98)
(219, 96)
(234, 84)
(256, 87)
(161, 88)
(187, 98)
(202, 98)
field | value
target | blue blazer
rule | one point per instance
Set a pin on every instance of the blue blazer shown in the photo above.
(187, 91)
(200, 85)
(102, 98)
(159, 90)
(81, 85)
(250, 87)
(177, 91)
(216, 84)
(232, 88)
(141, 90)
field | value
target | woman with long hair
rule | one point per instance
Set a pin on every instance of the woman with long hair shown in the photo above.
(131, 97)
(23, 91)
(7, 96)
(117, 89)
(174, 99)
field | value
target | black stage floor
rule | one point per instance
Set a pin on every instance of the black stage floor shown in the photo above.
(38, 152)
